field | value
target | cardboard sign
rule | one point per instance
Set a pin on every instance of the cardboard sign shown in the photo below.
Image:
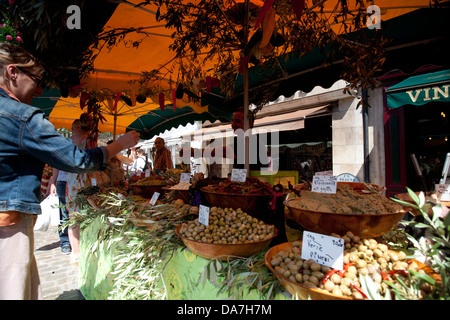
(154, 198)
(203, 215)
(324, 184)
(323, 249)
(239, 175)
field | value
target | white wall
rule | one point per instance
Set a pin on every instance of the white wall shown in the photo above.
(348, 138)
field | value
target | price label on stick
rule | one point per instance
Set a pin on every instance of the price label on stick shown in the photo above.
(154, 198)
(323, 249)
(239, 175)
(203, 215)
(185, 177)
(443, 191)
(94, 182)
(324, 184)
(147, 173)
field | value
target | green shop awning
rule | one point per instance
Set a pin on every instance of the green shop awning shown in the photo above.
(419, 90)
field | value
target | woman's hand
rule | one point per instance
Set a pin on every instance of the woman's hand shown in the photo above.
(126, 141)
(129, 139)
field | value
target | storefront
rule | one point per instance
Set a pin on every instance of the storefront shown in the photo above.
(417, 129)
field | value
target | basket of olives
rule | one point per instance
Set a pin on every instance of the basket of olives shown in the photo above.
(229, 234)
(147, 186)
(362, 257)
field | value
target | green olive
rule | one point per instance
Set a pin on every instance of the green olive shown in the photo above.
(314, 280)
(309, 284)
(315, 266)
(286, 273)
(319, 275)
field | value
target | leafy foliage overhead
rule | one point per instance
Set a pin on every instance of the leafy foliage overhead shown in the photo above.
(205, 31)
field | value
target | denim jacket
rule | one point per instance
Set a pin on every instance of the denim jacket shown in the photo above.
(27, 142)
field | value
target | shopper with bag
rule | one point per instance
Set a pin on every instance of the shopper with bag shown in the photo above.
(27, 142)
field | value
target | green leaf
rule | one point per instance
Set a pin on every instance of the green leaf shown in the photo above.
(413, 196)
(423, 276)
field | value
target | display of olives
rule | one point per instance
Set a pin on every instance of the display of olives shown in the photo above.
(361, 257)
(227, 226)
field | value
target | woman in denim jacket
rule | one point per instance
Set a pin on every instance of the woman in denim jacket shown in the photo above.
(27, 142)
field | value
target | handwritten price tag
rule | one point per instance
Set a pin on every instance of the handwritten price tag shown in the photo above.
(94, 182)
(323, 249)
(154, 198)
(324, 184)
(239, 175)
(443, 191)
(185, 177)
(203, 215)
(147, 173)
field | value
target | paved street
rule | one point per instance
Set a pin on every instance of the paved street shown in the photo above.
(59, 279)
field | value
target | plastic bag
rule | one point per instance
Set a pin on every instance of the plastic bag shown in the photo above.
(48, 207)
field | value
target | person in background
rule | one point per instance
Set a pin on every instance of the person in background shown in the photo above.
(28, 141)
(140, 163)
(81, 129)
(162, 157)
(115, 170)
(57, 185)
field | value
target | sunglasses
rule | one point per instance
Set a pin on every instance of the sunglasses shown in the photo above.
(37, 79)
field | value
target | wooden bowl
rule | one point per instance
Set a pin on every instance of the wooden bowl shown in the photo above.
(305, 293)
(179, 194)
(294, 288)
(224, 251)
(254, 205)
(362, 225)
(147, 191)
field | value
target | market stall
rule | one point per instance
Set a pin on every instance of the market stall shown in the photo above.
(128, 243)
(135, 248)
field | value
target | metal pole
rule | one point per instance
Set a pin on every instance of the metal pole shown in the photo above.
(246, 98)
(365, 114)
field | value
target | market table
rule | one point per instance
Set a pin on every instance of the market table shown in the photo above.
(180, 275)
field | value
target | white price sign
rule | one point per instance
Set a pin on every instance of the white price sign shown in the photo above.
(324, 184)
(185, 177)
(94, 182)
(203, 215)
(154, 198)
(323, 249)
(443, 191)
(239, 175)
(147, 173)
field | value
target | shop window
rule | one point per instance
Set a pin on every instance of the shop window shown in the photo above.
(310, 147)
